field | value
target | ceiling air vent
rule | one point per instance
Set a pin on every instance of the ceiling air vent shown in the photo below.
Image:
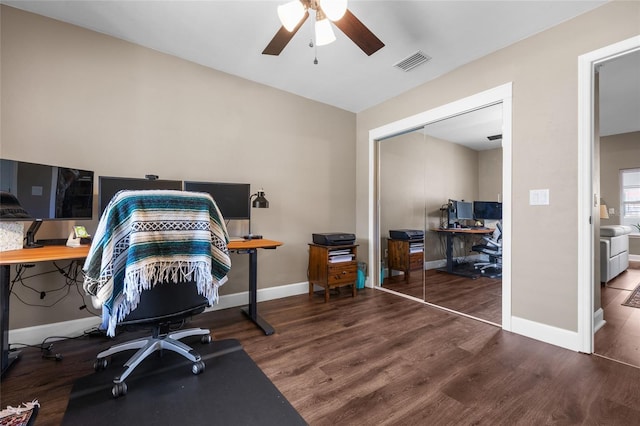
(494, 137)
(412, 61)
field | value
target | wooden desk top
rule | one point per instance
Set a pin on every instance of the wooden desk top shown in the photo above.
(464, 230)
(49, 253)
(43, 254)
(253, 244)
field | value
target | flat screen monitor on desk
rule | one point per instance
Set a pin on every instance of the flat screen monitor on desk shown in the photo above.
(109, 186)
(459, 210)
(39, 192)
(233, 199)
(487, 210)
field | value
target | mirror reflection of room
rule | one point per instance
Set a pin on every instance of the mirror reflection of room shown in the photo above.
(445, 180)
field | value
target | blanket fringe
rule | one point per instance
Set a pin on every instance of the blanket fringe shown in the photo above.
(26, 406)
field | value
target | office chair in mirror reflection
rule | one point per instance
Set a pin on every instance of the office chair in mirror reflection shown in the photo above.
(157, 258)
(492, 248)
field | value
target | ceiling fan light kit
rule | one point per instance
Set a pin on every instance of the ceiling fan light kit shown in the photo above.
(324, 32)
(294, 13)
(290, 14)
(333, 9)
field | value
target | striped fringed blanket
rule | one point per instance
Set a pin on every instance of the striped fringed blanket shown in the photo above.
(146, 237)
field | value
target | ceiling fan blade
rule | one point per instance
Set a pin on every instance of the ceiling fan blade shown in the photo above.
(358, 33)
(282, 38)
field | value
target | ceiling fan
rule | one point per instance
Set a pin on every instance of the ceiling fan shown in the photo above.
(295, 13)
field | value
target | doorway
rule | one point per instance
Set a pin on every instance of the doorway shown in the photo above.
(500, 95)
(591, 316)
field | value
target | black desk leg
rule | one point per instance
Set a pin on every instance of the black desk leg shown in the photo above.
(252, 310)
(449, 252)
(7, 358)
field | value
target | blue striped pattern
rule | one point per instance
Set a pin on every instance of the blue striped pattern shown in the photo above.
(146, 237)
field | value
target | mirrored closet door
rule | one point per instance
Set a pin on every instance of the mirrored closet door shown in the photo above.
(440, 180)
(402, 194)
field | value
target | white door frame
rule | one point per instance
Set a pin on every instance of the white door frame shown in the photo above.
(501, 94)
(587, 199)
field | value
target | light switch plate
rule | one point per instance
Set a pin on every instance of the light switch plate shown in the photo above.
(539, 197)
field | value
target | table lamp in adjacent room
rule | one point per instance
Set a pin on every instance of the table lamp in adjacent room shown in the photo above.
(604, 212)
(259, 202)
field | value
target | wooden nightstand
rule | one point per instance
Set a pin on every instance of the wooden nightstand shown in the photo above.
(405, 256)
(332, 266)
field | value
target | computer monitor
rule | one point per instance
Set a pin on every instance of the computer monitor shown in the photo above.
(108, 187)
(233, 199)
(459, 210)
(465, 210)
(487, 210)
(39, 192)
(33, 191)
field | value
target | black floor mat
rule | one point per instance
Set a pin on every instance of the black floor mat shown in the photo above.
(162, 391)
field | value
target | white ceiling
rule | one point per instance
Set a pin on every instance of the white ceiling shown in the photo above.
(471, 129)
(230, 35)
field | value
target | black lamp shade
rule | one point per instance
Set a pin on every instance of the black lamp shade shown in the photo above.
(260, 202)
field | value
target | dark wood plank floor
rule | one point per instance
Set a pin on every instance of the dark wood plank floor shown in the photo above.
(619, 339)
(382, 359)
(480, 297)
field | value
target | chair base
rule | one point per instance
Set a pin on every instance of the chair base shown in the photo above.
(490, 269)
(148, 345)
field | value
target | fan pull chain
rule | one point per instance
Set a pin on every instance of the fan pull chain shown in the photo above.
(315, 59)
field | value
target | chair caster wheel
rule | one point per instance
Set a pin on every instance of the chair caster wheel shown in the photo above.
(206, 339)
(100, 364)
(197, 367)
(119, 389)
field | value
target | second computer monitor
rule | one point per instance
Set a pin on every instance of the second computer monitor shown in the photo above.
(108, 187)
(233, 199)
(487, 210)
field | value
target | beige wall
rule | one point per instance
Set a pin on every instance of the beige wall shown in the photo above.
(544, 72)
(77, 98)
(490, 175)
(618, 152)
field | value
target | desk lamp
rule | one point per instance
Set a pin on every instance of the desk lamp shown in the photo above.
(260, 202)
(604, 211)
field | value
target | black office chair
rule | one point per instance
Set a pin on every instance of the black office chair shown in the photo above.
(164, 307)
(492, 247)
(157, 259)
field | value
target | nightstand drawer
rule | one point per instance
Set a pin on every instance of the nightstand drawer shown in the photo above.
(346, 272)
(415, 261)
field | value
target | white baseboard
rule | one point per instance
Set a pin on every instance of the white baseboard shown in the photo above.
(598, 320)
(52, 332)
(435, 264)
(634, 257)
(546, 333)
(60, 330)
